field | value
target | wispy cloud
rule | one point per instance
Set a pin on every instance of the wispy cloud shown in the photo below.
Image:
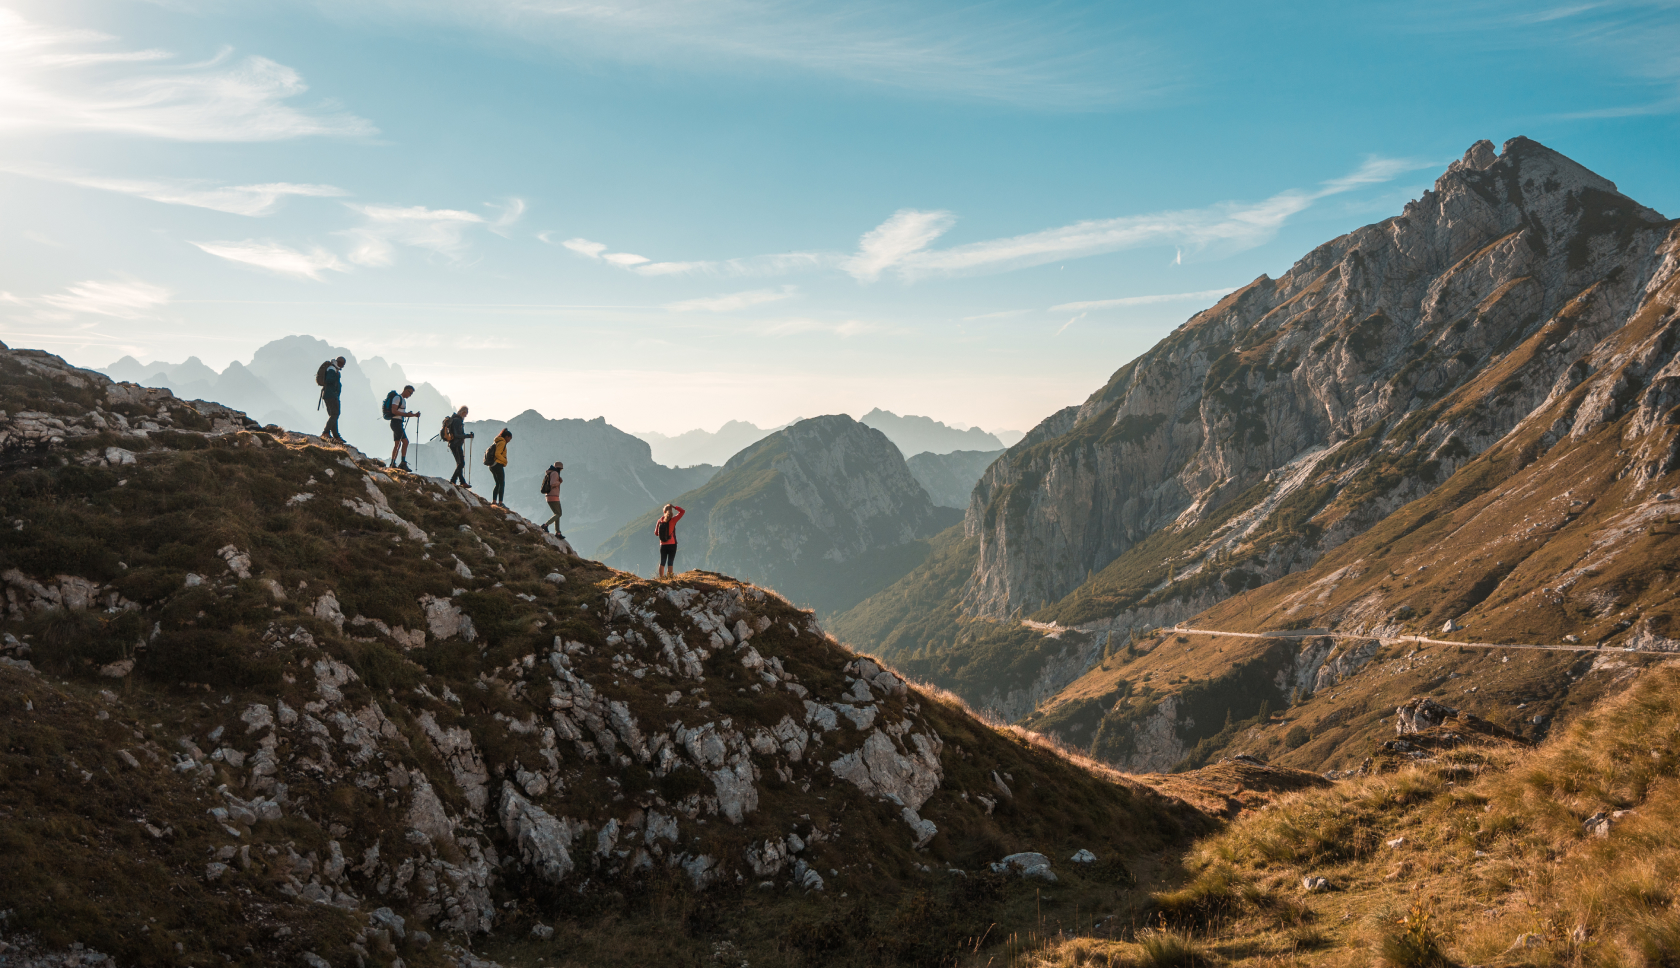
(846, 328)
(758, 265)
(254, 200)
(900, 245)
(440, 230)
(120, 299)
(907, 232)
(1637, 41)
(73, 80)
(1080, 307)
(1055, 56)
(277, 258)
(1230, 225)
(733, 301)
(507, 213)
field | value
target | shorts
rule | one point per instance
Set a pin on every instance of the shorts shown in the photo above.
(668, 555)
(399, 429)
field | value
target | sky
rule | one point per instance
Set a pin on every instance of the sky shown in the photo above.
(673, 213)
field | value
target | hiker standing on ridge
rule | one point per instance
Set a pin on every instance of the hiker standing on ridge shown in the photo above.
(331, 381)
(456, 436)
(666, 530)
(551, 493)
(495, 458)
(395, 409)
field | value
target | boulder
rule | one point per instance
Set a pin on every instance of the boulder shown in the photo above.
(1419, 714)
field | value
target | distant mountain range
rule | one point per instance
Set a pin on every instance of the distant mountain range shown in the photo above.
(949, 478)
(278, 387)
(825, 511)
(912, 435)
(610, 476)
(915, 435)
(705, 447)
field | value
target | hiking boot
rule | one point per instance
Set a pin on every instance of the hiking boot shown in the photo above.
(403, 466)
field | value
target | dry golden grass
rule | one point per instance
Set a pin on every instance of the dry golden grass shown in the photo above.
(1423, 868)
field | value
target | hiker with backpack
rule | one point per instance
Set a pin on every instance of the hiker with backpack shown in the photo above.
(495, 458)
(395, 409)
(551, 493)
(665, 529)
(329, 377)
(454, 433)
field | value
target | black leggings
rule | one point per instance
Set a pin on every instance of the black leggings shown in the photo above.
(668, 555)
(460, 475)
(500, 474)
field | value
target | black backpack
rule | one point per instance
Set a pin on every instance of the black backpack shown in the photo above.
(386, 408)
(321, 373)
(662, 529)
(490, 455)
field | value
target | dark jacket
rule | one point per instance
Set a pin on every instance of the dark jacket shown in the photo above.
(457, 431)
(334, 384)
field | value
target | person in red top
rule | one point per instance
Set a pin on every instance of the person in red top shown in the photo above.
(666, 531)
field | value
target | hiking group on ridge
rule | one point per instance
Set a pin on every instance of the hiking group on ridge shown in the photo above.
(453, 432)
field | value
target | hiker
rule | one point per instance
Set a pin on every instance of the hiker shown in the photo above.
(495, 458)
(551, 493)
(395, 409)
(455, 435)
(329, 377)
(666, 530)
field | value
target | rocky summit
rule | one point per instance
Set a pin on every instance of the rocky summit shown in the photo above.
(266, 702)
(1295, 416)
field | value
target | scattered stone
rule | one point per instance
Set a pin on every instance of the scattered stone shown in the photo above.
(1083, 856)
(1314, 885)
(542, 932)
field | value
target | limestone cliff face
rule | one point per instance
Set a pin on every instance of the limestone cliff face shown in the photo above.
(811, 509)
(1301, 410)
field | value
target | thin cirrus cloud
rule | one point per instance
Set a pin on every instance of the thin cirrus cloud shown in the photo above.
(252, 200)
(57, 79)
(845, 329)
(775, 264)
(118, 299)
(277, 258)
(1058, 57)
(732, 302)
(899, 244)
(440, 230)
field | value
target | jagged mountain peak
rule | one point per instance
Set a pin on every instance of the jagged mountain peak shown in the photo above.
(1298, 413)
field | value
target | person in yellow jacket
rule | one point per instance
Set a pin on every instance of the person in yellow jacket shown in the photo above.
(496, 459)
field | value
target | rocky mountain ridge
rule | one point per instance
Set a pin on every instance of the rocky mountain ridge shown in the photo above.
(1295, 415)
(610, 476)
(266, 702)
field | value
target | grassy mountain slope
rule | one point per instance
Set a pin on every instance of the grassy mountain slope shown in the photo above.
(260, 700)
(1561, 533)
(1480, 852)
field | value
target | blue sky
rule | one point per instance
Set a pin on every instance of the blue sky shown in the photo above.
(672, 213)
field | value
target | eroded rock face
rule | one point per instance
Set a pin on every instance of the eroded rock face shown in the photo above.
(1304, 389)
